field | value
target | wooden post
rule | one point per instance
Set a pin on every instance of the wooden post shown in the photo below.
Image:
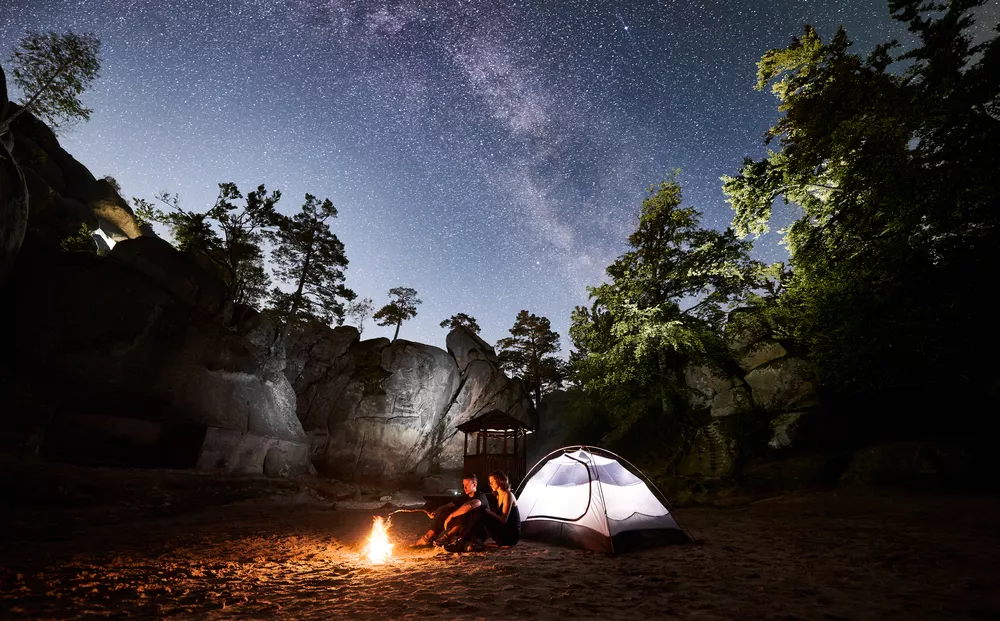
(505, 441)
(466, 450)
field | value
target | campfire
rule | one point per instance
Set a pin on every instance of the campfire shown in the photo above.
(379, 548)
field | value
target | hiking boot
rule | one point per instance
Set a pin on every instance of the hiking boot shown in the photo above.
(476, 545)
(455, 546)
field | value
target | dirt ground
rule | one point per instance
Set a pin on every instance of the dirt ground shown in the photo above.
(150, 548)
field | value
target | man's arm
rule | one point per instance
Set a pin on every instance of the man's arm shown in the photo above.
(467, 506)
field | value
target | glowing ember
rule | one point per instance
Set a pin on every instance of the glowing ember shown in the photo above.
(379, 548)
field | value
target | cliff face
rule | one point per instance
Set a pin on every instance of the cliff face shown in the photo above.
(376, 410)
(124, 357)
(135, 356)
(63, 194)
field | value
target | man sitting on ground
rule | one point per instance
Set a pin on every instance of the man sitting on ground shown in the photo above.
(458, 529)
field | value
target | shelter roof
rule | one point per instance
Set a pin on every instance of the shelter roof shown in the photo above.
(494, 420)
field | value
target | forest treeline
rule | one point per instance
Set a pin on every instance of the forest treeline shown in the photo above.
(888, 159)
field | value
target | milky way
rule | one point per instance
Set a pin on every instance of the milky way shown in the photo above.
(491, 155)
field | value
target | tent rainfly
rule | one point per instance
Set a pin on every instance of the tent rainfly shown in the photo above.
(585, 497)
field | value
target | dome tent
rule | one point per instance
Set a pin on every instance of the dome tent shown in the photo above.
(585, 497)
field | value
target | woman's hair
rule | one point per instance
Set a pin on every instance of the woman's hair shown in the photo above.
(502, 480)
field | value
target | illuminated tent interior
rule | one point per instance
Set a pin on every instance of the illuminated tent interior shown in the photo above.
(586, 497)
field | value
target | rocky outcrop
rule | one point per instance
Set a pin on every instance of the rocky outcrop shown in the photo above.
(376, 410)
(178, 272)
(117, 362)
(63, 194)
(712, 453)
(710, 388)
(783, 385)
(13, 193)
(465, 346)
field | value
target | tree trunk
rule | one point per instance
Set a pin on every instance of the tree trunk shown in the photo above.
(666, 398)
(398, 323)
(295, 300)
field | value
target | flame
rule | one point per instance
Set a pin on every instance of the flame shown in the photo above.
(379, 548)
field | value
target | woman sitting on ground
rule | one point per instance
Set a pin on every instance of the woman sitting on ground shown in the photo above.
(504, 525)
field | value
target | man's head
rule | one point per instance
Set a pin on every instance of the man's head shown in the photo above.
(469, 484)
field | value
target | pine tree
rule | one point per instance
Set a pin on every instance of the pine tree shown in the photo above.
(527, 353)
(309, 257)
(237, 252)
(461, 319)
(665, 302)
(403, 307)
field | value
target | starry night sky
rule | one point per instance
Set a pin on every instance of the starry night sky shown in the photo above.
(492, 155)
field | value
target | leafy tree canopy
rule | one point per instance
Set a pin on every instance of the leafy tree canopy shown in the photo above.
(461, 319)
(53, 70)
(665, 303)
(230, 234)
(890, 170)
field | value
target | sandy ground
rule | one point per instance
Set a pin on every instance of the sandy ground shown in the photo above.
(288, 554)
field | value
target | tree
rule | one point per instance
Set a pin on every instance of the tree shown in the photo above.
(664, 304)
(243, 230)
(113, 183)
(461, 319)
(52, 70)
(236, 247)
(359, 311)
(898, 229)
(310, 257)
(527, 353)
(398, 310)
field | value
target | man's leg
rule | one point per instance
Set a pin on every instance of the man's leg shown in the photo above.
(471, 533)
(437, 524)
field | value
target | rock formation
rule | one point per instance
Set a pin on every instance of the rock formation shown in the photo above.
(126, 358)
(13, 192)
(376, 410)
(761, 384)
(111, 361)
(64, 194)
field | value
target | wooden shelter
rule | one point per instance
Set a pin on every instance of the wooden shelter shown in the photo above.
(495, 441)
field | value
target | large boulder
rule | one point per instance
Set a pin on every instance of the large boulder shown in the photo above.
(761, 353)
(36, 149)
(710, 388)
(465, 346)
(484, 388)
(785, 385)
(393, 432)
(177, 272)
(712, 453)
(375, 410)
(109, 342)
(13, 209)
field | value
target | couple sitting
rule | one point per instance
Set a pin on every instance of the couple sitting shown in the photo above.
(463, 528)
